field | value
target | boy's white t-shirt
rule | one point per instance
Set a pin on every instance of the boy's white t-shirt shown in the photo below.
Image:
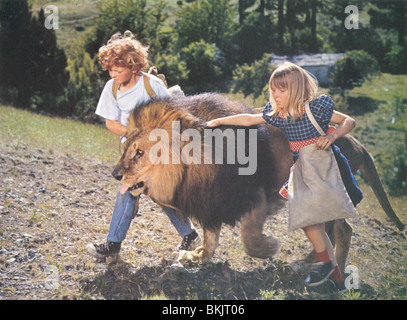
(110, 108)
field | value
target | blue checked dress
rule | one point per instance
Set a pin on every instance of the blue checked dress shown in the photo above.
(301, 132)
(302, 129)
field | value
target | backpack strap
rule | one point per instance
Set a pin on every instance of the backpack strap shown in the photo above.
(147, 86)
(115, 87)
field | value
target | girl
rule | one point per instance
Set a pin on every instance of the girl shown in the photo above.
(291, 88)
(125, 58)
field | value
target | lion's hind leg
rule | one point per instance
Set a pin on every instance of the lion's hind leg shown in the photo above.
(207, 250)
(256, 243)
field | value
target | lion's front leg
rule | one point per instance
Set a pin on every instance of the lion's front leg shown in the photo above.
(207, 250)
(256, 243)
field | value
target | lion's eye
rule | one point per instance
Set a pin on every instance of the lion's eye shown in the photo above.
(139, 154)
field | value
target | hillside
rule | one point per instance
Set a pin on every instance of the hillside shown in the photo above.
(57, 197)
(54, 204)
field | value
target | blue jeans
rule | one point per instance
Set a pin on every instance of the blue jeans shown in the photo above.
(123, 212)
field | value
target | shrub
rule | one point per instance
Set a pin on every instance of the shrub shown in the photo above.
(396, 59)
(253, 78)
(351, 70)
(204, 61)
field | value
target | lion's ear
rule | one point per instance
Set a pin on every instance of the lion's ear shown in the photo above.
(131, 126)
(132, 132)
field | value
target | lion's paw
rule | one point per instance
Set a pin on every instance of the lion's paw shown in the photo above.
(199, 255)
(262, 247)
(272, 245)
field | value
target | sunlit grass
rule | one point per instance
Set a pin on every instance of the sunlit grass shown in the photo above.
(56, 134)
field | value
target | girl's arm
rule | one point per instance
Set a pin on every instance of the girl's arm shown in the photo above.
(346, 125)
(244, 120)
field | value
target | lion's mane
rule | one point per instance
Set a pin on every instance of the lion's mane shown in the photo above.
(210, 193)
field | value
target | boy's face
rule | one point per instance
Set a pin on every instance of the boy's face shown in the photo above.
(121, 75)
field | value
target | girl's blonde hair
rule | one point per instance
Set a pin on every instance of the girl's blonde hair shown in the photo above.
(123, 51)
(301, 85)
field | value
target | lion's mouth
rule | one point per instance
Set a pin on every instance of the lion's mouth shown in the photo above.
(137, 186)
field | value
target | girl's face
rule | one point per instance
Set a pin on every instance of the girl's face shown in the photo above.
(121, 75)
(280, 96)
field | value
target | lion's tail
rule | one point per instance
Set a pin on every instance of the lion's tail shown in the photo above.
(369, 170)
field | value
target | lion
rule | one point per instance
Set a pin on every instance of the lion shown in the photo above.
(216, 189)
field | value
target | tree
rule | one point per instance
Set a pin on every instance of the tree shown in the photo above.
(203, 61)
(251, 79)
(31, 62)
(174, 69)
(255, 36)
(82, 90)
(280, 23)
(210, 21)
(395, 60)
(143, 21)
(15, 19)
(390, 11)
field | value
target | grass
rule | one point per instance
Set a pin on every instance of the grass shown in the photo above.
(63, 135)
(375, 129)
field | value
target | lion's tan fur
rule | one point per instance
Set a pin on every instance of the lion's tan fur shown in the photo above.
(164, 179)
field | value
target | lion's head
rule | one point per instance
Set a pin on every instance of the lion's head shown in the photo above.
(147, 164)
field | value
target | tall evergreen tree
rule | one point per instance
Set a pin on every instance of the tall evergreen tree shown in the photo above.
(31, 62)
(14, 24)
(390, 15)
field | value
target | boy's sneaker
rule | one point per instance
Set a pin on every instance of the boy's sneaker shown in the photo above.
(104, 250)
(190, 242)
(319, 273)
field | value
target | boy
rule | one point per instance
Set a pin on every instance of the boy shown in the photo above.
(124, 58)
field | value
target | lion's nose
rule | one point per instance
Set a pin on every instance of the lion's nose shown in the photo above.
(117, 173)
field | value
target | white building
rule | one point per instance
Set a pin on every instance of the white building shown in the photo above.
(319, 64)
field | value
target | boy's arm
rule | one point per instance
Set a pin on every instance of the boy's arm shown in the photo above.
(346, 125)
(115, 127)
(244, 120)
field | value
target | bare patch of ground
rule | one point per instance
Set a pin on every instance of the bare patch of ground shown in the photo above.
(52, 205)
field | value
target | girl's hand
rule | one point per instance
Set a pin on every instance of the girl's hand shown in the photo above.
(212, 123)
(324, 142)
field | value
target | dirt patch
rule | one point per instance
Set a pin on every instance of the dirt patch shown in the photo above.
(52, 205)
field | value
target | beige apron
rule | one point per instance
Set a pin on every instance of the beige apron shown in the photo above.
(316, 192)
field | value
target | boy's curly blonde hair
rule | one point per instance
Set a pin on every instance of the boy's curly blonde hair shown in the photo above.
(123, 51)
